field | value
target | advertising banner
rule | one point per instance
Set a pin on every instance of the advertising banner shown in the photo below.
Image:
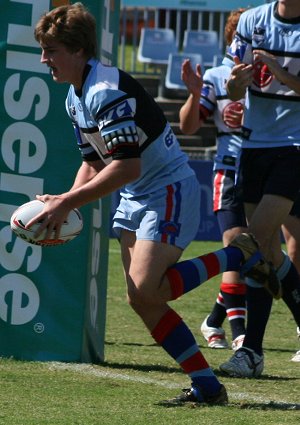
(209, 227)
(209, 5)
(52, 299)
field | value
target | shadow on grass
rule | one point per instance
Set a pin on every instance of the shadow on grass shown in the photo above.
(133, 344)
(250, 406)
(280, 350)
(261, 378)
(142, 367)
(271, 405)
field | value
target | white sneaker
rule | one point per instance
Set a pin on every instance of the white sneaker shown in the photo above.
(296, 357)
(215, 337)
(237, 343)
(245, 363)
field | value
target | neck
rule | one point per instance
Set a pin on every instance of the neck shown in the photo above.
(288, 8)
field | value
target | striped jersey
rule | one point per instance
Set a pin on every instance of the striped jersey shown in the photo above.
(215, 102)
(272, 109)
(115, 118)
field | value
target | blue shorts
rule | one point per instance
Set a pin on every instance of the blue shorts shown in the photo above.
(170, 215)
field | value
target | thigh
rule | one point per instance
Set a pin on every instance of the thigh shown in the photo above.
(265, 221)
(145, 263)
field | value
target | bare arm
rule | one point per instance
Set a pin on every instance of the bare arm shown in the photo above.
(115, 175)
(89, 185)
(189, 116)
(86, 172)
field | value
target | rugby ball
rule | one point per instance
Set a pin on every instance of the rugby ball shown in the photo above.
(22, 215)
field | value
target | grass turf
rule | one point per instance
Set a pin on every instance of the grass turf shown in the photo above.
(137, 374)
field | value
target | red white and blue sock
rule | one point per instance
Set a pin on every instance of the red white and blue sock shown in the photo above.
(234, 295)
(188, 275)
(178, 341)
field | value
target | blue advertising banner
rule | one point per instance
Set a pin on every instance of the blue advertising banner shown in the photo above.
(210, 5)
(209, 228)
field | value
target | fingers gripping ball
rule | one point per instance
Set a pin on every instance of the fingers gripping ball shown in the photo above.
(22, 215)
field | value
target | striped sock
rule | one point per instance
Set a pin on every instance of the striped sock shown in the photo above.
(218, 313)
(187, 275)
(178, 341)
(234, 295)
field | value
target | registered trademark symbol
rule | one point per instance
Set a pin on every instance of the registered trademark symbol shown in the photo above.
(39, 328)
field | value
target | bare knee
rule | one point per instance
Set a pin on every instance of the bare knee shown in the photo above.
(139, 298)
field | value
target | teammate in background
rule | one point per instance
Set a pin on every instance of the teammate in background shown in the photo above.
(265, 61)
(208, 97)
(291, 233)
(127, 144)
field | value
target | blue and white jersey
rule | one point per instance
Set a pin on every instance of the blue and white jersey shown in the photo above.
(115, 118)
(272, 109)
(215, 102)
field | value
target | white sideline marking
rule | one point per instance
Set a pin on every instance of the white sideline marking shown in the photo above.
(91, 370)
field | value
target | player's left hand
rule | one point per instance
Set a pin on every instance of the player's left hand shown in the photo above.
(269, 60)
(53, 215)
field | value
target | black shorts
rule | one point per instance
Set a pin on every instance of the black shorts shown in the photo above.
(227, 204)
(273, 171)
(295, 211)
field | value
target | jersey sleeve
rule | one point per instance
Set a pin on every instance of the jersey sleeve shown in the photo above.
(114, 112)
(208, 97)
(241, 45)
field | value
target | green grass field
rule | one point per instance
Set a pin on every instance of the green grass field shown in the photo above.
(137, 374)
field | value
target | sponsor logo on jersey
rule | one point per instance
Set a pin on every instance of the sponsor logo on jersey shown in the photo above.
(123, 109)
(232, 114)
(72, 110)
(286, 32)
(262, 76)
(259, 34)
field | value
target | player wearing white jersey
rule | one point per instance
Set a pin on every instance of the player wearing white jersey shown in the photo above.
(208, 98)
(265, 60)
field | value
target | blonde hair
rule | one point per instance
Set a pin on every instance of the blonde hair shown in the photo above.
(71, 25)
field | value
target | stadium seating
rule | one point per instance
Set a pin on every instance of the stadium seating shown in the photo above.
(173, 74)
(155, 45)
(204, 42)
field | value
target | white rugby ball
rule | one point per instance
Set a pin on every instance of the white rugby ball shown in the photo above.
(22, 215)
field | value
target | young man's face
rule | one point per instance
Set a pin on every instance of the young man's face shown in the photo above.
(63, 64)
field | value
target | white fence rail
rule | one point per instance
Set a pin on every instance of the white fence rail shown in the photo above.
(133, 19)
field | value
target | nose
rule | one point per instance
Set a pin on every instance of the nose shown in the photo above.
(44, 58)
